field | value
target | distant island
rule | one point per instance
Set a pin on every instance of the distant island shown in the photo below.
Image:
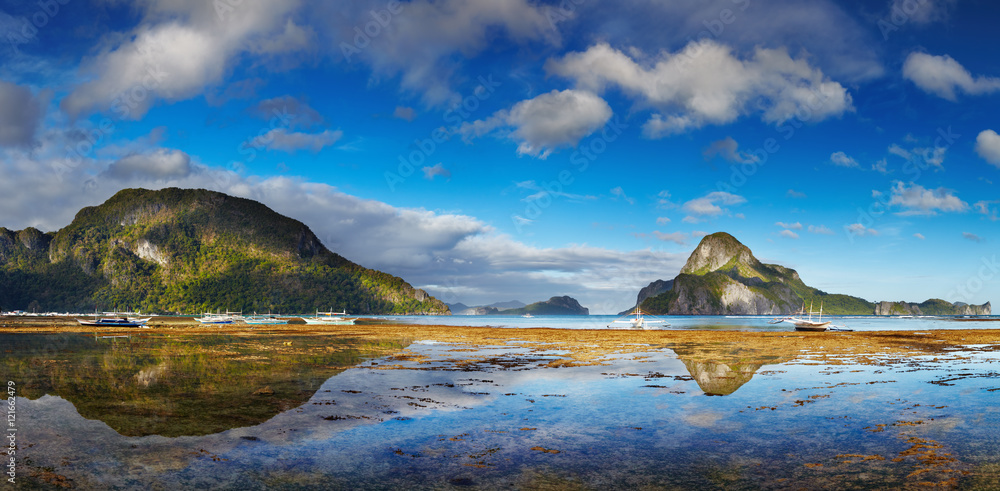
(563, 305)
(185, 250)
(722, 277)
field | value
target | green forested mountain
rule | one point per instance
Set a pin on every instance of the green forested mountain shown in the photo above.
(180, 250)
(722, 277)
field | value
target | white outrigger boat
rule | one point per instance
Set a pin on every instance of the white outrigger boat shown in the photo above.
(267, 320)
(330, 319)
(818, 325)
(638, 320)
(216, 318)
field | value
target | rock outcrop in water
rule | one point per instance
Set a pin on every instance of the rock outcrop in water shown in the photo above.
(554, 306)
(191, 250)
(933, 306)
(722, 277)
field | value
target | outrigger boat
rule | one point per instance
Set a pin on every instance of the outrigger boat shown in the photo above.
(264, 320)
(809, 324)
(638, 320)
(330, 319)
(216, 318)
(114, 322)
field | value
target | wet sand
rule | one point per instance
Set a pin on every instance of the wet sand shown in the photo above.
(585, 346)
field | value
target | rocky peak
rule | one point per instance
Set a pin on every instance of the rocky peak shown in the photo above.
(715, 251)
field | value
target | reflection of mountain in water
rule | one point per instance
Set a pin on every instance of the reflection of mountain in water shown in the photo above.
(720, 371)
(720, 379)
(188, 386)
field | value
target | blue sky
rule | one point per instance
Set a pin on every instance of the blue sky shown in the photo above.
(489, 150)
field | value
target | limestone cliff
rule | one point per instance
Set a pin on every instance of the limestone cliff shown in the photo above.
(722, 277)
(933, 306)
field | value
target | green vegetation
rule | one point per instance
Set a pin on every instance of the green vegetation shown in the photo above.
(721, 260)
(552, 306)
(192, 251)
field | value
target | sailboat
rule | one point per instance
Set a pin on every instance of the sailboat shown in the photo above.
(638, 320)
(809, 324)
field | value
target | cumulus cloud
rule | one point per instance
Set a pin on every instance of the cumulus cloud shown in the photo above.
(987, 208)
(922, 11)
(289, 110)
(423, 41)
(405, 113)
(679, 238)
(437, 170)
(545, 123)
(161, 164)
(619, 193)
(20, 113)
(859, 230)
(789, 234)
(705, 83)
(916, 200)
(728, 149)
(820, 229)
(792, 226)
(843, 160)
(988, 146)
(708, 206)
(973, 237)
(291, 141)
(919, 236)
(176, 52)
(795, 194)
(945, 77)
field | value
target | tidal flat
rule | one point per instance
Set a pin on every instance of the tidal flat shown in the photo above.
(445, 407)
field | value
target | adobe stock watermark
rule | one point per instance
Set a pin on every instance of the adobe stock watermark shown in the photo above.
(581, 159)
(899, 16)
(423, 148)
(364, 34)
(28, 27)
(914, 169)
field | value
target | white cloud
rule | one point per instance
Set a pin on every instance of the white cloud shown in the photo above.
(288, 111)
(679, 238)
(618, 192)
(157, 165)
(662, 220)
(841, 159)
(921, 11)
(859, 230)
(988, 146)
(795, 194)
(789, 234)
(547, 122)
(20, 114)
(944, 77)
(708, 206)
(176, 52)
(919, 236)
(916, 200)
(706, 84)
(986, 208)
(437, 170)
(728, 149)
(973, 237)
(821, 230)
(900, 151)
(290, 141)
(405, 113)
(423, 43)
(881, 166)
(792, 226)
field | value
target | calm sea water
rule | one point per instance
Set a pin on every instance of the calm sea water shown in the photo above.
(324, 412)
(746, 323)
